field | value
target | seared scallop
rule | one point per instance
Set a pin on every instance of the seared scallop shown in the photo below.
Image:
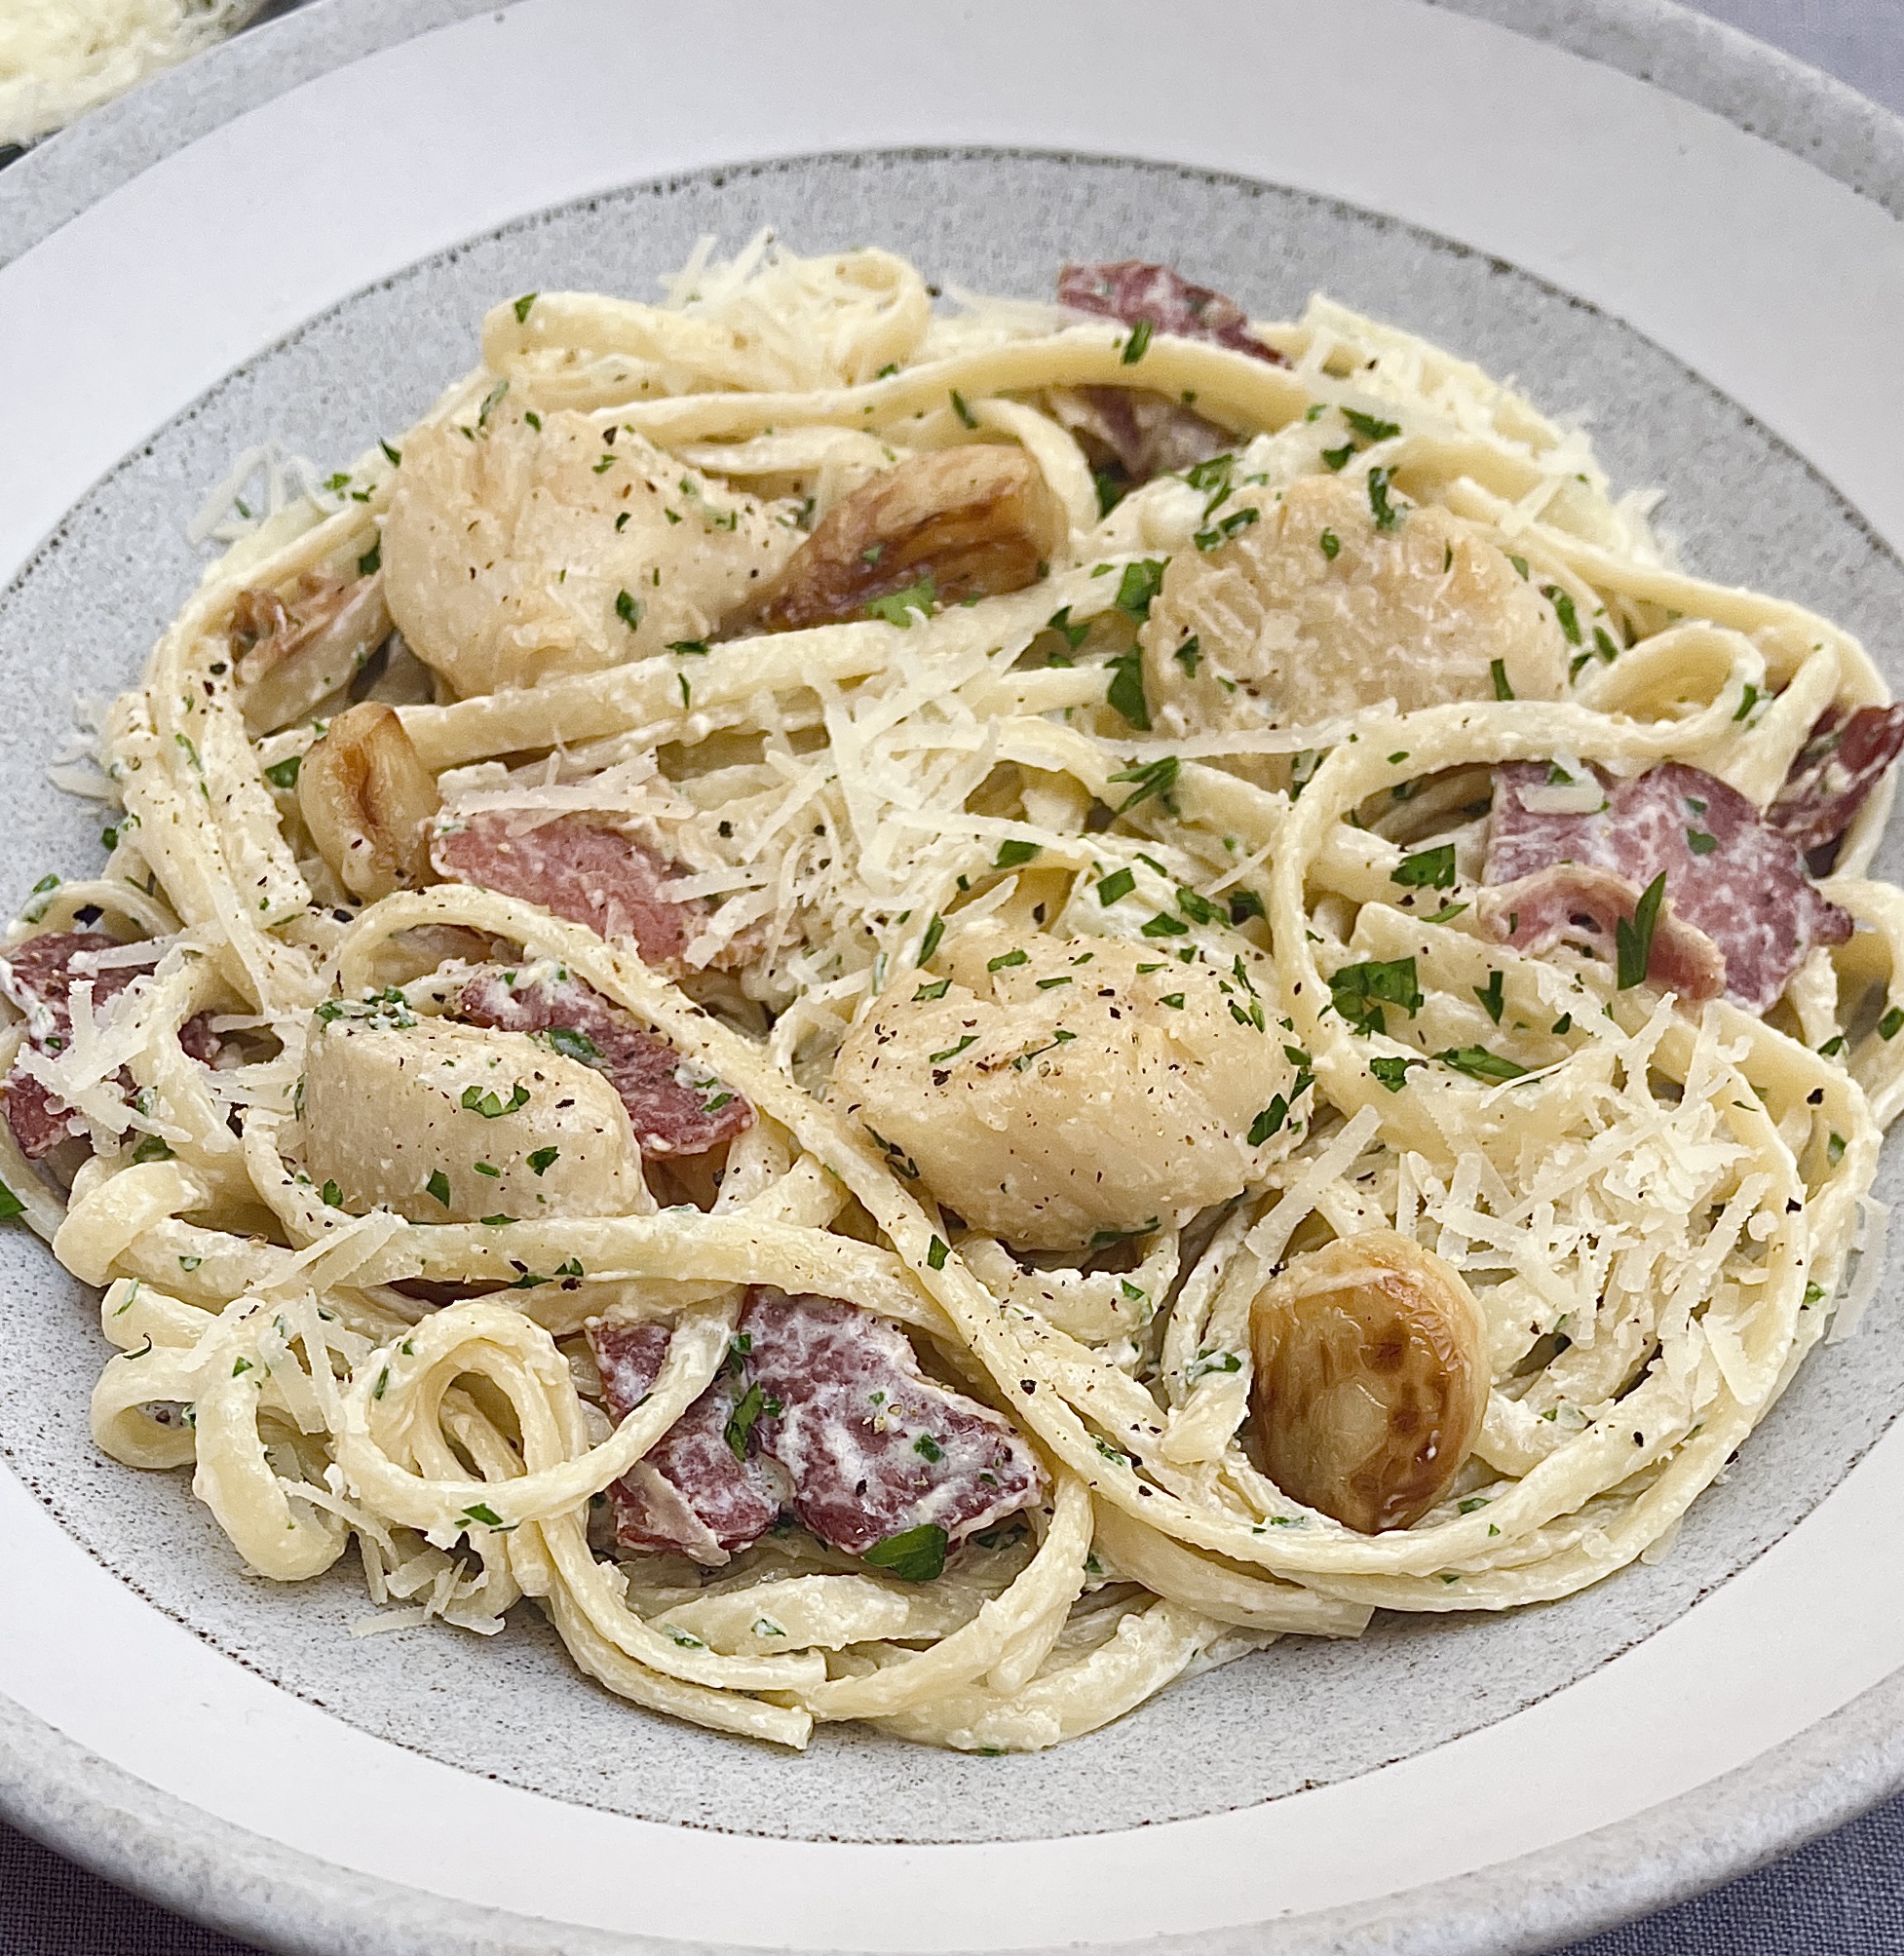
(1061, 1092)
(514, 552)
(447, 1122)
(1320, 607)
(1371, 1379)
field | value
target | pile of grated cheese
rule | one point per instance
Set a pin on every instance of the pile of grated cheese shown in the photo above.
(59, 58)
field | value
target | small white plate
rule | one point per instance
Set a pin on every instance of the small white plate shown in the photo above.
(312, 270)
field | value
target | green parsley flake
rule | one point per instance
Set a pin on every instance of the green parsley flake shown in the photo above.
(1158, 776)
(1137, 345)
(1633, 940)
(1427, 869)
(1478, 1063)
(897, 607)
(914, 1556)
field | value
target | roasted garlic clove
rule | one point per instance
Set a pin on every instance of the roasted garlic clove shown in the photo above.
(977, 520)
(289, 657)
(1371, 1379)
(365, 798)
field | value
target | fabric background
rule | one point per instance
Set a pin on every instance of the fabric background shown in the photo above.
(1843, 1896)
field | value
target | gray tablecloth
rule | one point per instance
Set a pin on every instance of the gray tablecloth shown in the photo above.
(1843, 1896)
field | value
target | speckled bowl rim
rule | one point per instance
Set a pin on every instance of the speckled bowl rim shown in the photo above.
(105, 1817)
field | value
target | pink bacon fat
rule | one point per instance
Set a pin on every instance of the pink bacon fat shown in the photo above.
(1136, 292)
(676, 1108)
(1833, 774)
(692, 1495)
(872, 1446)
(579, 870)
(822, 1409)
(38, 977)
(1740, 913)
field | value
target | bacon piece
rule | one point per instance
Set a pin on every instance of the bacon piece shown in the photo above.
(873, 1448)
(39, 976)
(592, 875)
(1833, 772)
(1730, 877)
(1574, 903)
(1132, 291)
(691, 1494)
(1144, 435)
(676, 1108)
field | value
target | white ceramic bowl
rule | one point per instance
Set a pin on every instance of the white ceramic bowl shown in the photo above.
(312, 270)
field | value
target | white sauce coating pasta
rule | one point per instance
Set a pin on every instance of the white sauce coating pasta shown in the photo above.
(1187, 910)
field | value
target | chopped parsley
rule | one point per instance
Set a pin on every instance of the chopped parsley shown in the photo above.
(1427, 869)
(1115, 886)
(1137, 345)
(897, 607)
(523, 304)
(1563, 609)
(1158, 776)
(1387, 517)
(1220, 534)
(629, 610)
(1369, 427)
(1358, 992)
(1498, 667)
(1140, 585)
(1633, 942)
(492, 1106)
(1491, 997)
(929, 943)
(965, 413)
(1331, 545)
(914, 1556)
(1478, 1063)
(1013, 853)
(280, 774)
(1006, 959)
(542, 1160)
(936, 1253)
(571, 1044)
(439, 1186)
(1392, 1072)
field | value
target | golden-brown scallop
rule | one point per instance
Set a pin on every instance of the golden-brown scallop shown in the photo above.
(514, 553)
(1055, 1092)
(366, 796)
(1315, 610)
(977, 520)
(1371, 1379)
(448, 1123)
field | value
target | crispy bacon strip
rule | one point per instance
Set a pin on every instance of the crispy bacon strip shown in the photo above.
(692, 1495)
(1134, 291)
(589, 874)
(1834, 773)
(873, 1448)
(823, 1409)
(1139, 432)
(677, 1109)
(38, 977)
(1730, 878)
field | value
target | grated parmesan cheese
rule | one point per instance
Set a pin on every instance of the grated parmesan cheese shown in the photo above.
(59, 58)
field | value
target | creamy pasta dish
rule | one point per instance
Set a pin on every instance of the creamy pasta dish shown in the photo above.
(929, 1009)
